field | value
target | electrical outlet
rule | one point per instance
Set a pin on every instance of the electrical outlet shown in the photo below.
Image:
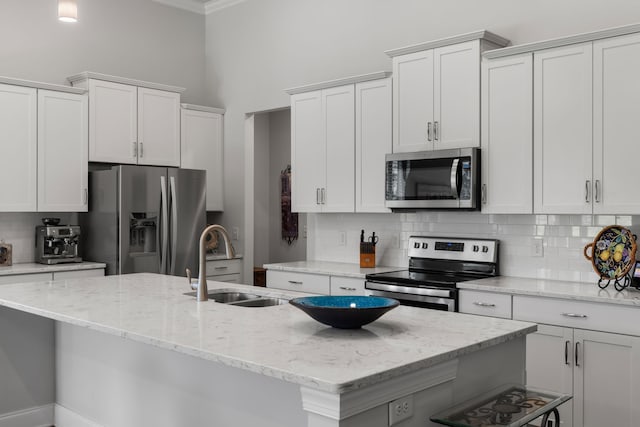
(342, 238)
(537, 250)
(400, 409)
(235, 233)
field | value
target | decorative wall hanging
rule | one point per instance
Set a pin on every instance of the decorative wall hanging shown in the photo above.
(289, 219)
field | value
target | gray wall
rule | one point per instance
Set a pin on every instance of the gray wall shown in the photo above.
(260, 47)
(140, 39)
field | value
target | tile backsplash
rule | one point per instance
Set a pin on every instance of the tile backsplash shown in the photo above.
(19, 229)
(562, 238)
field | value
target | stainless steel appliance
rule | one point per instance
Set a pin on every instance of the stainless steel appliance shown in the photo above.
(440, 179)
(56, 244)
(145, 219)
(436, 265)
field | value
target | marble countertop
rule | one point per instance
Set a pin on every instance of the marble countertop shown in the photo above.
(330, 268)
(279, 341)
(555, 289)
(32, 267)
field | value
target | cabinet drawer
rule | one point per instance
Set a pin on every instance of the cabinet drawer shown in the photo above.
(485, 304)
(61, 275)
(301, 282)
(577, 314)
(346, 286)
(25, 278)
(229, 278)
(223, 267)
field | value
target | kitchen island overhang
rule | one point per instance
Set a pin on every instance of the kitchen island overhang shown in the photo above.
(333, 376)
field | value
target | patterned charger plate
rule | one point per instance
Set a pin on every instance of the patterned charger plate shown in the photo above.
(613, 252)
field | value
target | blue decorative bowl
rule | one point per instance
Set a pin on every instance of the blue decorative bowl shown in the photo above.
(345, 312)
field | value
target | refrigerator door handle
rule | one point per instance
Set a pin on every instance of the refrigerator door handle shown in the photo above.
(164, 224)
(174, 224)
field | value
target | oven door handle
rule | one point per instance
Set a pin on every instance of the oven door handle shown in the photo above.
(455, 191)
(412, 290)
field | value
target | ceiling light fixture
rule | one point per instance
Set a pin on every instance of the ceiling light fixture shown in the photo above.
(68, 10)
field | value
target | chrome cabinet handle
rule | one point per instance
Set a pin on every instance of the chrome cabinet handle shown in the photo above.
(577, 350)
(484, 194)
(141, 150)
(484, 304)
(224, 267)
(345, 288)
(597, 191)
(581, 316)
(293, 282)
(134, 149)
(85, 199)
(587, 191)
(429, 131)
(435, 131)
(323, 196)
(317, 196)
(566, 352)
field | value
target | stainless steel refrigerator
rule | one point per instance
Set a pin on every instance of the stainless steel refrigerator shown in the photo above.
(145, 219)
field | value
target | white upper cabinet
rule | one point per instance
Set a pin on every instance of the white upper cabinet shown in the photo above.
(158, 127)
(131, 121)
(373, 142)
(62, 152)
(307, 152)
(616, 111)
(338, 106)
(563, 179)
(113, 123)
(507, 135)
(18, 162)
(202, 148)
(436, 92)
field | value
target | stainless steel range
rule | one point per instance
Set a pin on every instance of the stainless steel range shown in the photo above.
(436, 265)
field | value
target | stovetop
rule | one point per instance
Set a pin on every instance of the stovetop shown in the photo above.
(421, 278)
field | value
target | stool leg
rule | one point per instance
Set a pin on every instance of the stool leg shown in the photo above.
(545, 417)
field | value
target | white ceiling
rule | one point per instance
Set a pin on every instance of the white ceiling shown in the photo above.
(200, 6)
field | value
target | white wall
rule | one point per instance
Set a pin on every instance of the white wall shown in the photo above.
(140, 39)
(260, 47)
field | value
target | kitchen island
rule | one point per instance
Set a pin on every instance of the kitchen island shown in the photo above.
(133, 350)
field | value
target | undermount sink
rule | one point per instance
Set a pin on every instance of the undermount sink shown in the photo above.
(242, 299)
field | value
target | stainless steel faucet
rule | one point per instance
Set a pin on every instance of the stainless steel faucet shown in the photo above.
(202, 292)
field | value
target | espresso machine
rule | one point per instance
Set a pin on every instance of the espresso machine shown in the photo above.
(57, 243)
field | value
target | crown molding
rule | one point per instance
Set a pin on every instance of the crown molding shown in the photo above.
(215, 5)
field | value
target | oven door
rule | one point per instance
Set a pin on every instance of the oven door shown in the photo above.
(433, 298)
(432, 179)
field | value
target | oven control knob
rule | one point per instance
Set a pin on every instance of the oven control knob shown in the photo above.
(425, 245)
(485, 249)
(476, 248)
(416, 245)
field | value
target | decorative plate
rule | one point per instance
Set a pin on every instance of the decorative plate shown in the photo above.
(345, 312)
(613, 252)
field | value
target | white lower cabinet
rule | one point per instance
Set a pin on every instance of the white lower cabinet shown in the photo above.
(301, 282)
(225, 270)
(600, 369)
(484, 304)
(55, 275)
(346, 286)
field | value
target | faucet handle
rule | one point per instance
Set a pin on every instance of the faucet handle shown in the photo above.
(188, 271)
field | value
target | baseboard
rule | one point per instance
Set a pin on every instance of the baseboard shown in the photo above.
(67, 418)
(39, 416)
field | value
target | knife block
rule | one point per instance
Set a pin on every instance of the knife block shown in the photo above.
(367, 255)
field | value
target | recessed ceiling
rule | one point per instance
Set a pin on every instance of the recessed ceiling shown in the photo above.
(200, 6)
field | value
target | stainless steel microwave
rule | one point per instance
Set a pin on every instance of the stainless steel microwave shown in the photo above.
(440, 179)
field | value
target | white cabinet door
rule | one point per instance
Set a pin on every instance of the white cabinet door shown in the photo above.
(456, 95)
(616, 82)
(201, 146)
(113, 130)
(413, 102)
(606, 379)
(550, 364)
(563, 130)
(373, 142)
(62, 152)
(307, 151)
(507, 135)
(18, 162)
(338, 113)
(158, 127)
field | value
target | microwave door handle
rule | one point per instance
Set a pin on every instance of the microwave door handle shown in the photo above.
(454, 178)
